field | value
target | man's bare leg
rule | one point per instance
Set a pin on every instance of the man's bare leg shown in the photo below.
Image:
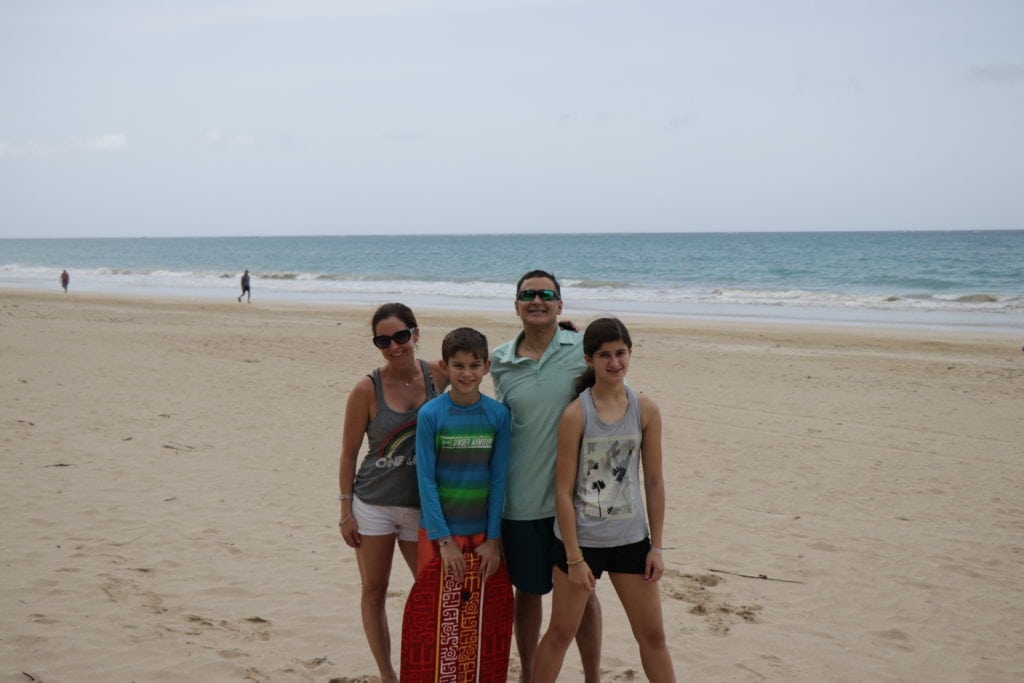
(529, 613)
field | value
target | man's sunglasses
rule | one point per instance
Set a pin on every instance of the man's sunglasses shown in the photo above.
(383, 341)
(531, 294)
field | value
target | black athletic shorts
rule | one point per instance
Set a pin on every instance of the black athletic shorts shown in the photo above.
(621, 559)
(527, 545)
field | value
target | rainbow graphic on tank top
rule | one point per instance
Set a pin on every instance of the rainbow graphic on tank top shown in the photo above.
(399, 448)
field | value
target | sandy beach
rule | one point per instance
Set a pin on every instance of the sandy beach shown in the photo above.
(845, 504)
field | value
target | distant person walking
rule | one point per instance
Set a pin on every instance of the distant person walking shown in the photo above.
(65, 280)
(246, 292)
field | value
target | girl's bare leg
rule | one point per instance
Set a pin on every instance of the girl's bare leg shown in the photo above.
(643, 607)
(567, 604)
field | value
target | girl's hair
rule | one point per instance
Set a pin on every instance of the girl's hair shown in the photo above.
(599, 332)
(395, 310)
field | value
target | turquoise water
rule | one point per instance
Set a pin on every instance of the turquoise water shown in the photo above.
(903, 278)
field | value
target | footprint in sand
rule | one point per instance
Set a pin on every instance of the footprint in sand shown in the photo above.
(129, 590)
(42, 619)
(250, 628)
(895, 638)
(720, 614)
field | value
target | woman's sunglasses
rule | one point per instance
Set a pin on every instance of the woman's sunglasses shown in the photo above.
(531, 294)
(383, 341)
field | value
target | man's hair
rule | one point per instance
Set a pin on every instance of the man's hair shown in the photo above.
(466, 340)
(539, 273)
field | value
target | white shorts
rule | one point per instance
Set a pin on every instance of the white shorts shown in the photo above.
(385, 520)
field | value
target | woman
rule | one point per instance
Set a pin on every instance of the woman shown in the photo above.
(380, 502)
(604, 437)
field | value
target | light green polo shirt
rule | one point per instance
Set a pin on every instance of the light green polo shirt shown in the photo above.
(536, 392)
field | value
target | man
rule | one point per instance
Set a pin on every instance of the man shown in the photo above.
(534, 376)
(246, 292)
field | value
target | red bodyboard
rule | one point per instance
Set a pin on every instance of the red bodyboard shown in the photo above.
(456, 631)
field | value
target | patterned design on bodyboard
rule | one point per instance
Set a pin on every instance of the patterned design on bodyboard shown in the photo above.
(457, 632)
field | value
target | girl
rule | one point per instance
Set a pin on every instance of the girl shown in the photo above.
(381, 502)
(603, 438)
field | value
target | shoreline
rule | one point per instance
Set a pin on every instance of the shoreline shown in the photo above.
(738, 314)
(171, 480)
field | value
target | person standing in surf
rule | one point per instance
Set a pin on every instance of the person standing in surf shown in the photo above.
(246, 292)
(380, 501)
(604, 438)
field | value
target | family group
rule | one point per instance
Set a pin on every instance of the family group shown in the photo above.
(545, 477)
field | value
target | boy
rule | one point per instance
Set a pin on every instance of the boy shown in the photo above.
(462, 445)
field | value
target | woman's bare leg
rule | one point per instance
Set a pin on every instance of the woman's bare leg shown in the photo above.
(375, 555)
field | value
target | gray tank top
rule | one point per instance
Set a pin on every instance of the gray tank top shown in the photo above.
(609, 504)
(387, 475)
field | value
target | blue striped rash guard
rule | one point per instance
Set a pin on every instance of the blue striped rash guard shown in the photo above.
(461, 461)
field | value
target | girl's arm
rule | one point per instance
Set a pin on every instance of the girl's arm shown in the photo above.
(654, 485)
(357, 416)
(570, 432)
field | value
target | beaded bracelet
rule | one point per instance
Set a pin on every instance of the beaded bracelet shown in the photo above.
(573, 563)
(345, 496)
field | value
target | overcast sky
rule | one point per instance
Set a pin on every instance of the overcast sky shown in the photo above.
(129, 118)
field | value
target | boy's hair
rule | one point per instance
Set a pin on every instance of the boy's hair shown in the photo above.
(538, 273)
(464, 339)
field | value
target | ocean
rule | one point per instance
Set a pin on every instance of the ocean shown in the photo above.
(961, 279)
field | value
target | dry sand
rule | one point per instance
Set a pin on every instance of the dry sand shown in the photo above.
(170, 476)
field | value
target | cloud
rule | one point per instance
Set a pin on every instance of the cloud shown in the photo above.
(26, 150)
(244, 140)
(104, 143)
(1007, 72)
(219, 13)
(265, 138)
(32, 149)
(218, 136)
(679, 121)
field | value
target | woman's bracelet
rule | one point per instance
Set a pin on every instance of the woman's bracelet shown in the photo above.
(341, 522)
(654, 549)
(345, 496)
(573, 563)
